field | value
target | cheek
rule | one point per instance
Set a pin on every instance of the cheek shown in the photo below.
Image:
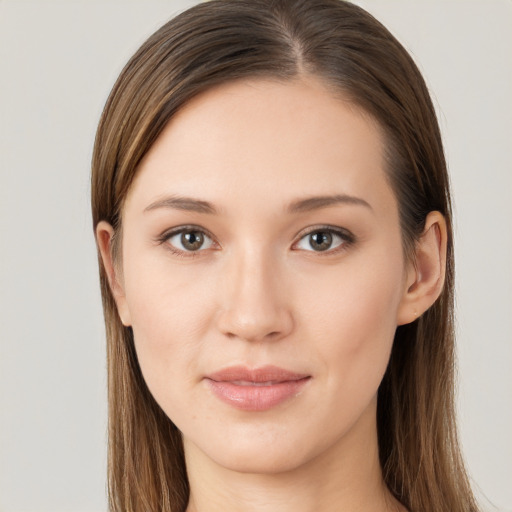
(170, 313)
(352, 316)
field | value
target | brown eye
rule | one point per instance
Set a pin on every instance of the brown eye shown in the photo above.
(192, 240)
(322, 240)
(189, 240)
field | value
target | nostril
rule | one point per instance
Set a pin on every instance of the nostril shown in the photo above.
(251, 336)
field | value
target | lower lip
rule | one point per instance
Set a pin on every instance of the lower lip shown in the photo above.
(254, 397)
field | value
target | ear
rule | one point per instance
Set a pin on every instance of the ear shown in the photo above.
(426, 274)
(104, 237)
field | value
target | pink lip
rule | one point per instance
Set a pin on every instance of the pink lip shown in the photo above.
(258, 389)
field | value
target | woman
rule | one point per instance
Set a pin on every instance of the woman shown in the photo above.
(272, 211)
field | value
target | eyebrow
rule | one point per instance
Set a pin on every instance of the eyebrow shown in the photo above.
(301, 205)
(183, 203)
(317, 202)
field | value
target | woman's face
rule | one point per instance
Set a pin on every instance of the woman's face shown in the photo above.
(263, 274)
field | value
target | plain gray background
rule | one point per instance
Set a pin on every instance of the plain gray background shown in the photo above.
(58, 62)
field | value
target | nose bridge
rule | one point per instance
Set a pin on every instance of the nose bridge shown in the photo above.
(254, 307)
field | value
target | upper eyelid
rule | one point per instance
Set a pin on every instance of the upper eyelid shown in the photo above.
(324, 227)
(168, 233)
(299, 236)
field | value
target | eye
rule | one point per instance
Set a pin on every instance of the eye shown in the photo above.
(324, 239)
(189, 240)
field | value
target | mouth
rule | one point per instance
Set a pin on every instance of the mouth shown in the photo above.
(258, 389)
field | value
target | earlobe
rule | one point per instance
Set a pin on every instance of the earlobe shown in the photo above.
(426, 275)
(104, 237)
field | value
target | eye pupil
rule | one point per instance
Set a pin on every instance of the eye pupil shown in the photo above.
(192, 240)
(320, 240)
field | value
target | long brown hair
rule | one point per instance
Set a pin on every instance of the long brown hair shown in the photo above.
(225, 40)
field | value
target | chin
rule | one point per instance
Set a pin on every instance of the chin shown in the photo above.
(269, 448)
(257, 458)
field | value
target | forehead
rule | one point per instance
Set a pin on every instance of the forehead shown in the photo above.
(261, 140)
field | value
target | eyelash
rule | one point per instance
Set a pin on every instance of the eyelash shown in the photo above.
(346, 236)
(347, 239)
(166, 235)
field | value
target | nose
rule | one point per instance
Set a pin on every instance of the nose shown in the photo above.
(254, 306)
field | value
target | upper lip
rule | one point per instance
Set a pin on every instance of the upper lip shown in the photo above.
(268, 373)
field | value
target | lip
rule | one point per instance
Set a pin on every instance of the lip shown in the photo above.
(257, 389)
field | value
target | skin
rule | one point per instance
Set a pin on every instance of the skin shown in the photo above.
(257, 292)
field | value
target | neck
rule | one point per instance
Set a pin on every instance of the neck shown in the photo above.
(346, 477)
